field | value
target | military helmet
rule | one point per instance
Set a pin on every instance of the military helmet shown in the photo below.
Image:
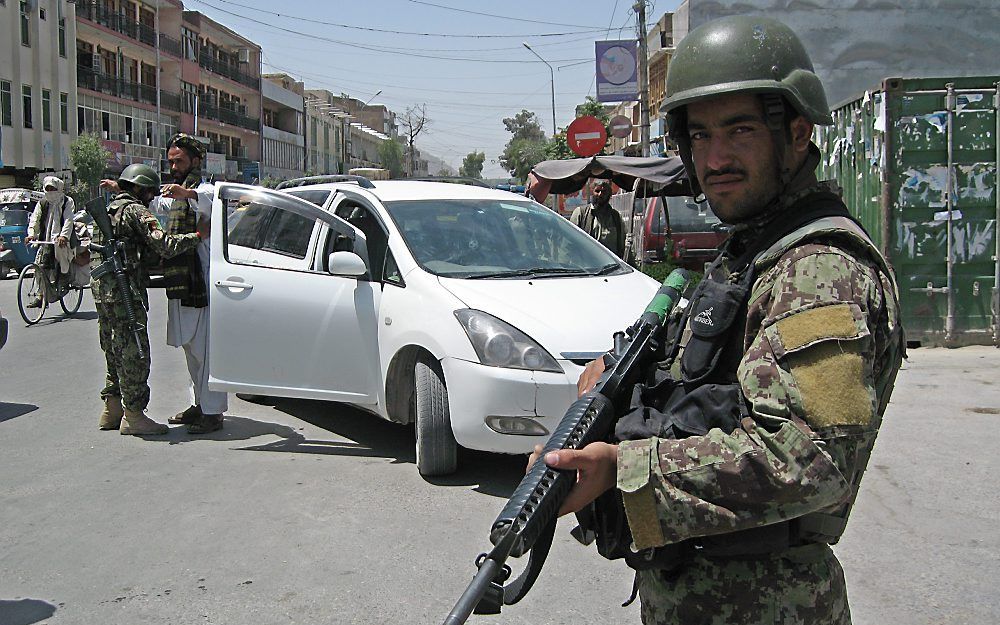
(745, 53)
(140, 175)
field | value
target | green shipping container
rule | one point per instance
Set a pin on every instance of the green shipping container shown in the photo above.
(917, 160)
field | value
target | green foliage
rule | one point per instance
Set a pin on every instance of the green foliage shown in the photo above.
(591, 106)
(526, 146)
(523, 155)
(660, 271)
(390, 154)
(270, 182)
(89, 160)
(472, 165)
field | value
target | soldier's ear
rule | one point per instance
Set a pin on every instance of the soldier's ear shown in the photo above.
(800, 130)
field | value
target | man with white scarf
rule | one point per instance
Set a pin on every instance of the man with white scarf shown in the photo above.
(52, 220)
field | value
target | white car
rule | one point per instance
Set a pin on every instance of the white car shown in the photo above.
(465, 310)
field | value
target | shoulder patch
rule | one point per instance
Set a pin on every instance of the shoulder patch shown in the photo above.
(825, 322)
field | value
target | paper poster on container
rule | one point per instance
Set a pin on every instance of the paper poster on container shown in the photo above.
(215, 164)
(617, 70)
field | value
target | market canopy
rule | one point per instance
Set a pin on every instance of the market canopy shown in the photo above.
(656, 175)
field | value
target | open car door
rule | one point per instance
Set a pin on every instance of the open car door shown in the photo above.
(282, 323)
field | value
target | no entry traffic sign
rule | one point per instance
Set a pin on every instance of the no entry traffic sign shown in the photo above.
(620, 126)
(586, 136)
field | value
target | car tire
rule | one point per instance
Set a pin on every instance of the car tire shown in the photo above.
(437, 451)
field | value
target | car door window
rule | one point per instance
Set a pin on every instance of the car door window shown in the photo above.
(288, 234)
(262, 231)
(376, 239)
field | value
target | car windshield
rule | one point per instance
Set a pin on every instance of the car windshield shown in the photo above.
(497, 239)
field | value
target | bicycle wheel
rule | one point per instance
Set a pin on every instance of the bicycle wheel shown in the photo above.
(70, 300)
(28, 291)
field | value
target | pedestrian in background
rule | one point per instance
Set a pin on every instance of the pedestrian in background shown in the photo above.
(126, 389)
(52, 220)
(601, 221)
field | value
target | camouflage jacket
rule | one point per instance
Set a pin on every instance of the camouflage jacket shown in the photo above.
(822, 344)
(141, 231)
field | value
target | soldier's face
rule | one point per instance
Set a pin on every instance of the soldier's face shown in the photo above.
(734, 156)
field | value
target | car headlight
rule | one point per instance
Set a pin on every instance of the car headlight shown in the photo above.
(499, 344)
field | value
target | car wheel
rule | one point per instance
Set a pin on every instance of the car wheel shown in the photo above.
(437, 451)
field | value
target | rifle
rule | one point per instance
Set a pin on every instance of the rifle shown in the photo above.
(115, 260)
(528, 520)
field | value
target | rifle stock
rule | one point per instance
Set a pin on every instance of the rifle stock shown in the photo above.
(527, 521)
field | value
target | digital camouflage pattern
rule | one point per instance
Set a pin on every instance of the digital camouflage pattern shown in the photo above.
(141, 231)
(822, 347)
(127, 373)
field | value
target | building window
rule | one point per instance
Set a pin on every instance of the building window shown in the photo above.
(6, 104)
(128, 130)
(62, 31)
(105, 125)
(64, 112)
(41, 14)
(26, 105)
(25, 23)
(46, 110)
(149, 133)
(190, 40)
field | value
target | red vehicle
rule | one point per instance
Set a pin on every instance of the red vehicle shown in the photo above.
(688, 232)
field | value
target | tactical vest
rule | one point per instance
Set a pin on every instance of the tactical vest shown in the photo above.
(707, 394)
(133, 253)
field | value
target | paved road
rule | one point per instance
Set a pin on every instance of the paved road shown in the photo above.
(306, 512)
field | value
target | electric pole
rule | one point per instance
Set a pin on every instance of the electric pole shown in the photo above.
(640, 13)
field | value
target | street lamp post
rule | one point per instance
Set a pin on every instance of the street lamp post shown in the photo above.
(552, 79)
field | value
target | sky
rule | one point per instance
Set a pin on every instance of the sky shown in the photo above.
(463, 59)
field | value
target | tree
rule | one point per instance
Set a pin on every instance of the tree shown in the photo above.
(390, 154)
(89, 159)
(413, 121)
(526, 147)
(472, 165)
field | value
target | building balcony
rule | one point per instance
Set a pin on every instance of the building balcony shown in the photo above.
(123, 24)
(171, 46)
(227, 70)
(227, 116)
(88, 78)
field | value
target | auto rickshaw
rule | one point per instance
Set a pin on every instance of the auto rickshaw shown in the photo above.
(15, 212)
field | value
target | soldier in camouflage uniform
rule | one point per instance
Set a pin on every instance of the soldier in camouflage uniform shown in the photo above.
(750, 511)
(126, 392)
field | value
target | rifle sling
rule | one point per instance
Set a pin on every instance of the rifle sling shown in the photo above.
(517, 589)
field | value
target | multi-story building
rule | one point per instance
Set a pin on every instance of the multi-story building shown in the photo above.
(284, 153)
(220, 71)
(147, 69)
(328, 133)
(364, 149)
(37, 89)
(122, 96)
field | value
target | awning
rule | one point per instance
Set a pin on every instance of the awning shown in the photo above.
(656, 175)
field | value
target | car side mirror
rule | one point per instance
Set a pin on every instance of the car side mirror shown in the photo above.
(346, 264)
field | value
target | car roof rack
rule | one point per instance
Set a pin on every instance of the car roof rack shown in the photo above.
(308, 180)
(472, 182)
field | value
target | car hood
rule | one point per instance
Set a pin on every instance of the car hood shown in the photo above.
(563, 314)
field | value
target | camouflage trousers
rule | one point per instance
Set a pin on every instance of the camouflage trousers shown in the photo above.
(128, 375)
(803, 585)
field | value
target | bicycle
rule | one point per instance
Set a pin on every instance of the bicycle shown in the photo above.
(70, 295)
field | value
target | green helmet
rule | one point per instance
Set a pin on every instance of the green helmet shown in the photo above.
(745, 53)
(140, 175)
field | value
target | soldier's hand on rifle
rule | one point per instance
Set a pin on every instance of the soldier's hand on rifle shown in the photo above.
(588, 379)
(596, 471)
(110, 185)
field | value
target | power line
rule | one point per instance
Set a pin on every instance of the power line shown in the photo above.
(403, 32)
(350, 44)
(502, 17)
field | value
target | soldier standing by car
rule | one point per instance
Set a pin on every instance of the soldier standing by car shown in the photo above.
(126, 391)
(793, 339)
(601, 221)
(187, 202)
